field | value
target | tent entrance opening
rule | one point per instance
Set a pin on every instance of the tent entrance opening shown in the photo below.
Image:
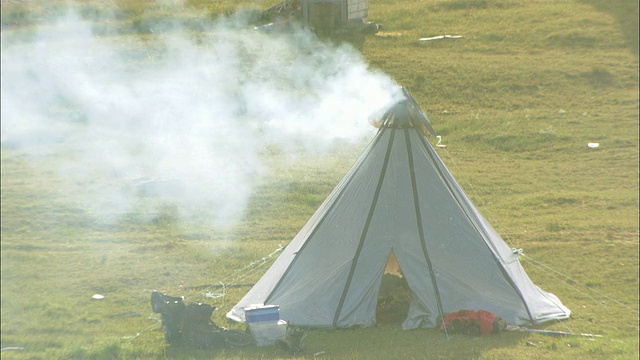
(394, 296)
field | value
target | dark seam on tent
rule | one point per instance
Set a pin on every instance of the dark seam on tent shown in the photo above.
(423, 240)
(297, 255)
(476, 227)
(365, 229)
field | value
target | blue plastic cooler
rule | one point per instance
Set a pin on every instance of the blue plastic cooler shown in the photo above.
(262, 314)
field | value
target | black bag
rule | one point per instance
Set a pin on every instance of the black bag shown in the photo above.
(199, 330)
(187, 325)
(198, 313)
(204, 337)
(171, 308)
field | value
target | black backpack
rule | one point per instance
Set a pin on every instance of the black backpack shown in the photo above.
(188, 325)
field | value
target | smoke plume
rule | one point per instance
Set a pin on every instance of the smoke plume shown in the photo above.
(178, 115)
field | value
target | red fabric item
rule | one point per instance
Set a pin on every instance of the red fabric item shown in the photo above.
(483, 318)
(461, 315)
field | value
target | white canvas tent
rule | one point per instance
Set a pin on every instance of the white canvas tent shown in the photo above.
(398, 199)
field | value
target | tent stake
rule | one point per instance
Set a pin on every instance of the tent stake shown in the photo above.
(549, 332)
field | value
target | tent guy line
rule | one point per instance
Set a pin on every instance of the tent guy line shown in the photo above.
(234, 279)
(542, 267)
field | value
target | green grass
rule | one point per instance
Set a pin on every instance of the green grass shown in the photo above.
(516, 100)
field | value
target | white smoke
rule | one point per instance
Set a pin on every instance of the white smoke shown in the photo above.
(183, 117)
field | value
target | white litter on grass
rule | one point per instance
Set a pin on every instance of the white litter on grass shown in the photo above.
(12, 348)
(441, 37)
(97, 297)
(593, 145)
(385, 34)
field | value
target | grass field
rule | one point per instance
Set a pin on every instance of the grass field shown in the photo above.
(517, 100)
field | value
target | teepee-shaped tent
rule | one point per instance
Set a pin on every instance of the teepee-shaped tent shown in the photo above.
(398, 199)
